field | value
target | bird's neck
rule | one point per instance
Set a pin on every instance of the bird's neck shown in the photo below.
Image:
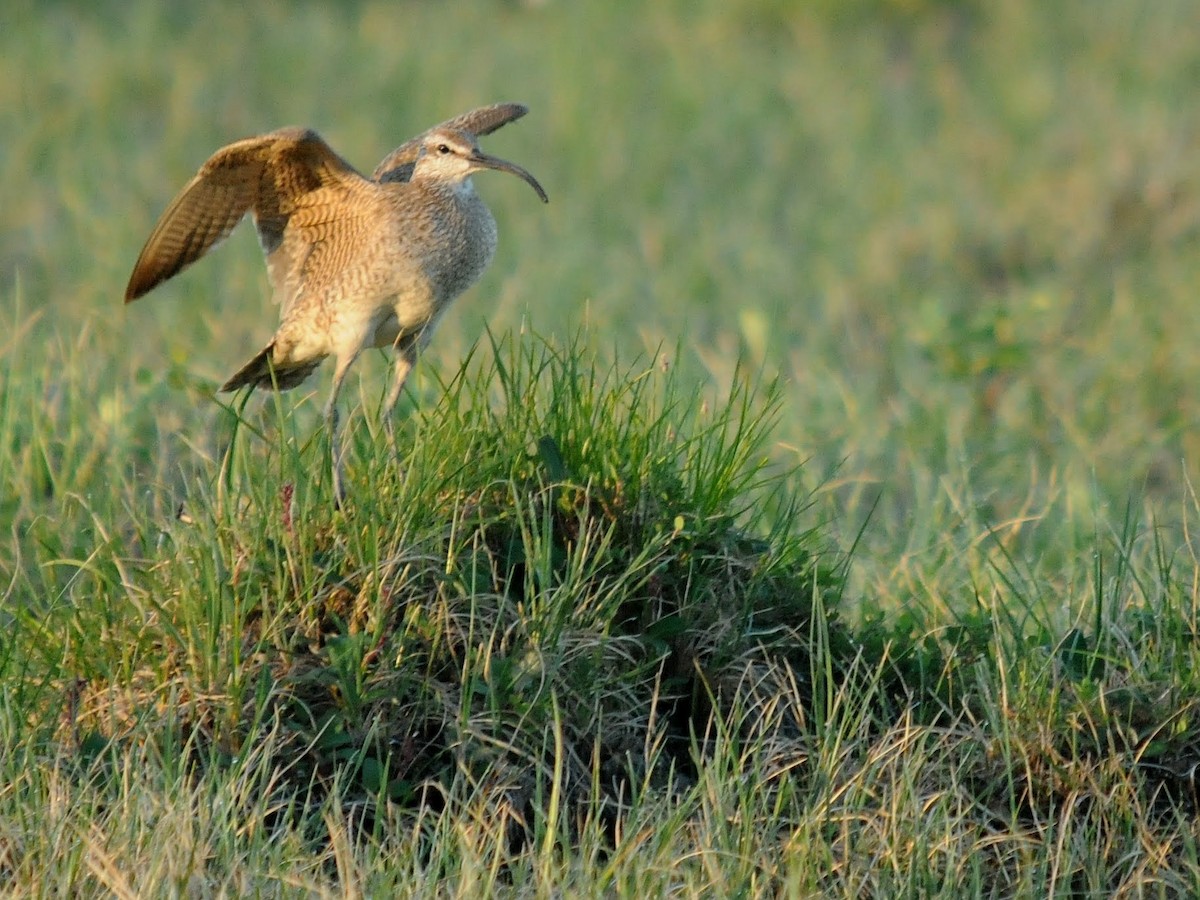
(464, 190)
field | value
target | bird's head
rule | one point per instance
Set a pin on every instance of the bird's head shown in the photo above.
(451, 156)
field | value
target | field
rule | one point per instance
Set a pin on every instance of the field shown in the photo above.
(801, 505)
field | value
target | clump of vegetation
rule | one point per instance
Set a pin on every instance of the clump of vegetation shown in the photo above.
(570, 567)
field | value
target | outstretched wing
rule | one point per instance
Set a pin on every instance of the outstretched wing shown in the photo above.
(267, 175)
(398, 165)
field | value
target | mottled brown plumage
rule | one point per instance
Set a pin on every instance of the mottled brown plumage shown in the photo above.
(353, 262)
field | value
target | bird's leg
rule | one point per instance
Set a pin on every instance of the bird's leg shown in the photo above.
(335, 456)
(331, 424)
(406, 358)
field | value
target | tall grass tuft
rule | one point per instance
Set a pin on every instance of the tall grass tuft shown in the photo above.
(546, 592)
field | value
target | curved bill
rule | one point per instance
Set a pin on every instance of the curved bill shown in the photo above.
(501, 165)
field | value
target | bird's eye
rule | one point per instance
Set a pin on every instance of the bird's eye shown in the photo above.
(443, 149)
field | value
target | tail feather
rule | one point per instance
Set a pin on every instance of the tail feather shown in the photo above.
(264, 372)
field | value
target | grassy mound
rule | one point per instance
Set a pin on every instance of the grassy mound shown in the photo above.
(560, 583)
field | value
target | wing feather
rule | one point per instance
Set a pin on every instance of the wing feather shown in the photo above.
(266, 175)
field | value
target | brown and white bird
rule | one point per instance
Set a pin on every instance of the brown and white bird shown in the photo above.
(354, 262)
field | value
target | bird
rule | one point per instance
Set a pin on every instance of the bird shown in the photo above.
(354, 262)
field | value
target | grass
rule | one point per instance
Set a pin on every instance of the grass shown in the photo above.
(802, 504)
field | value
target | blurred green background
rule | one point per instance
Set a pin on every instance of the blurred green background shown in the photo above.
(964, 234)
